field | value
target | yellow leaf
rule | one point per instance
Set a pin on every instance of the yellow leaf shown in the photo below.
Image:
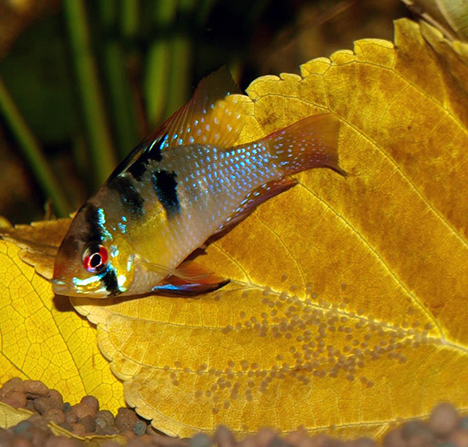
(450, 16)
(347, 304)
(39, 242)
(42, 339)
(9, 417)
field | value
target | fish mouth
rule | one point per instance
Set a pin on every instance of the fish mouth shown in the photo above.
(59, 287)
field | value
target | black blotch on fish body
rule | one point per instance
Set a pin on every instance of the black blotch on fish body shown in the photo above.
(109, 279)
(94, 227)
(129, 196)
(165, 185)
(153, 152)
(135, 162)
(137, 170)
(123, 165)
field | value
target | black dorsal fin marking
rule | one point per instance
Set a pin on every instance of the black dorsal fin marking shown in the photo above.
(206, 119)
(147, 150)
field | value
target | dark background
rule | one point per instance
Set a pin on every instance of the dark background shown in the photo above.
(194, 37)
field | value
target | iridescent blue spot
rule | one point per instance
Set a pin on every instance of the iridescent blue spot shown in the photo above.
(102, 224)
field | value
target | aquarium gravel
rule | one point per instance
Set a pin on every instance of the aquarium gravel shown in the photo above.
(444, 428)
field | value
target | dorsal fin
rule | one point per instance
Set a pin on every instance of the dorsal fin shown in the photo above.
(206, 119)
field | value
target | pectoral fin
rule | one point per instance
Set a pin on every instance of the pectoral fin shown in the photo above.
(190, 278)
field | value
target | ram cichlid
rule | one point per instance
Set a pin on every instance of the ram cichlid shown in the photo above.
(185, 183)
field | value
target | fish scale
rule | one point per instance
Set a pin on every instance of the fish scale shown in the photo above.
(208, 202)
(185, 183)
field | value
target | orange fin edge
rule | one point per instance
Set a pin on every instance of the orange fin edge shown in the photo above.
(190, 278)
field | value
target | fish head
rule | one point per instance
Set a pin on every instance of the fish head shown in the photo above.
(93, 262)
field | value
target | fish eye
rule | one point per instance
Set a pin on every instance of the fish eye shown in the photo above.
(95, 258)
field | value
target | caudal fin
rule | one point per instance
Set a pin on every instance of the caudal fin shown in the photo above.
(310, 143)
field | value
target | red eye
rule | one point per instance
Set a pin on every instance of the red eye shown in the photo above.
(95, 258)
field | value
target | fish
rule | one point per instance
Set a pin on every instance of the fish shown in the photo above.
(181, 187)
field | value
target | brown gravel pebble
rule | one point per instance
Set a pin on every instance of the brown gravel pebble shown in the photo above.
(16, 399)
(110, 443)
(40, 422)
(62, 441)
(166, 441)
(21, 441)
(125, 420)
(71, 418)
(56, 397)
(249, 441)
(362, 442)
(459, 438)
(15, 384)
(394, 439)
(38, 436)
(421, 440)
(224, 437)
(30, 406)
(82, 410)
(444, 420)
(445, 427)
(5, 434)
(91, 402)
(264, 437)
(89, 423)
(55, 415)
(44, 404)
(200, 440)
(105, 423)
(35, 388)
(78, 429)
(140, 442)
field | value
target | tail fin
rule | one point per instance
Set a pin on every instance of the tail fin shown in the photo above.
(310, 143)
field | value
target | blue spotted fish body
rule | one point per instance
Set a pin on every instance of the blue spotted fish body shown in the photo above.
(185, 183)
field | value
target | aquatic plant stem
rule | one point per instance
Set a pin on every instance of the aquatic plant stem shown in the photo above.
(130, 18)
(117, 79)
(159, 56)
(33, 153)
(94, 113)
(181, 61)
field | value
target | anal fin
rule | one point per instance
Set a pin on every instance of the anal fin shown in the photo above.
(254, 199)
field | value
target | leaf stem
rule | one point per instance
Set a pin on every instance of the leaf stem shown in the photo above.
(33, 152)
(94, 112)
